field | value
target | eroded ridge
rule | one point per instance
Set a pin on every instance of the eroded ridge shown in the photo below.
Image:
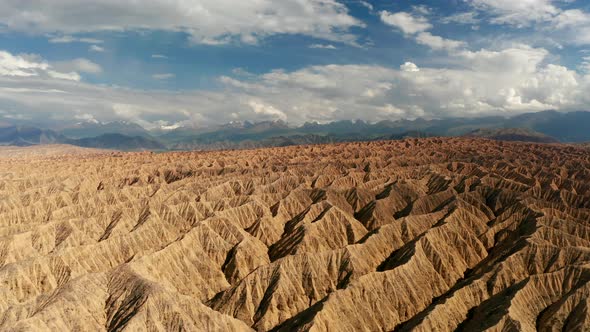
(426, 235)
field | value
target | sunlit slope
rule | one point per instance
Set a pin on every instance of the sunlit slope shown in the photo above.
(419, 234)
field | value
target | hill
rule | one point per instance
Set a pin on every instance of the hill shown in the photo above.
(512, 134)
(119, 142)
(566, 127)
(432, 234)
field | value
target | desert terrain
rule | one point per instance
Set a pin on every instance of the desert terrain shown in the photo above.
(420, 234)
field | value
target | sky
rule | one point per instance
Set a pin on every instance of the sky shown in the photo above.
(170, 63)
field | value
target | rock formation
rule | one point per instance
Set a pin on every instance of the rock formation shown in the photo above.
(421, 234)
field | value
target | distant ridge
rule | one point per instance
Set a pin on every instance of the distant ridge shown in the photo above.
(27, 136)
(30, 136)
(546, 127)
(119, 142)
(513, 134)
(94, 128)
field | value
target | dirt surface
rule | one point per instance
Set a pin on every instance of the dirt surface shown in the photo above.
(421, 234)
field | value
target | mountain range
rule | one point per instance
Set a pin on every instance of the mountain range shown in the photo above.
(28, 136)
(541, 127)
(93, 128)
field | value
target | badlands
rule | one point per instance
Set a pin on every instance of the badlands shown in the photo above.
(421, 234)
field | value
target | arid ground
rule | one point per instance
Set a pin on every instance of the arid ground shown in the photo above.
(420, 234)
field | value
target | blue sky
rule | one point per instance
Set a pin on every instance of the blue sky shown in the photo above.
(196, 63)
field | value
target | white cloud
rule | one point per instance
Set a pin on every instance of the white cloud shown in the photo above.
(159, 56)
(390, 111)
(409, 67)
(34, 66)
(571, 18)
(377, 90)
(518, 60)
(127, 111)
(71, 76)
(206, 21)
(421, 9)
(518, 13)
(71, 39)
(575, 25)
(19, 65)
(366, 5)
(462, 18)
(486, 82)
(96, 48)
(406, 22)
(417, 27)
(323, 46)
(437, 42)
(570, 26)
(78, 65)
(164, 76)
(62, 40)
(585, 65)
(263, 109)
(85, 117)
(166, 125)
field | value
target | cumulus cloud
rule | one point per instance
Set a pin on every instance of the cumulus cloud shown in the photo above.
(206, 21)
(572, 26)
(571, 18)
(485, 82)
(27, 65)
(260, 108)
(409, 67)
(377, 90)
(575, 24)
(20, 65)
(520, 59)
(437, 42)
(406, 22)
(417, 27)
